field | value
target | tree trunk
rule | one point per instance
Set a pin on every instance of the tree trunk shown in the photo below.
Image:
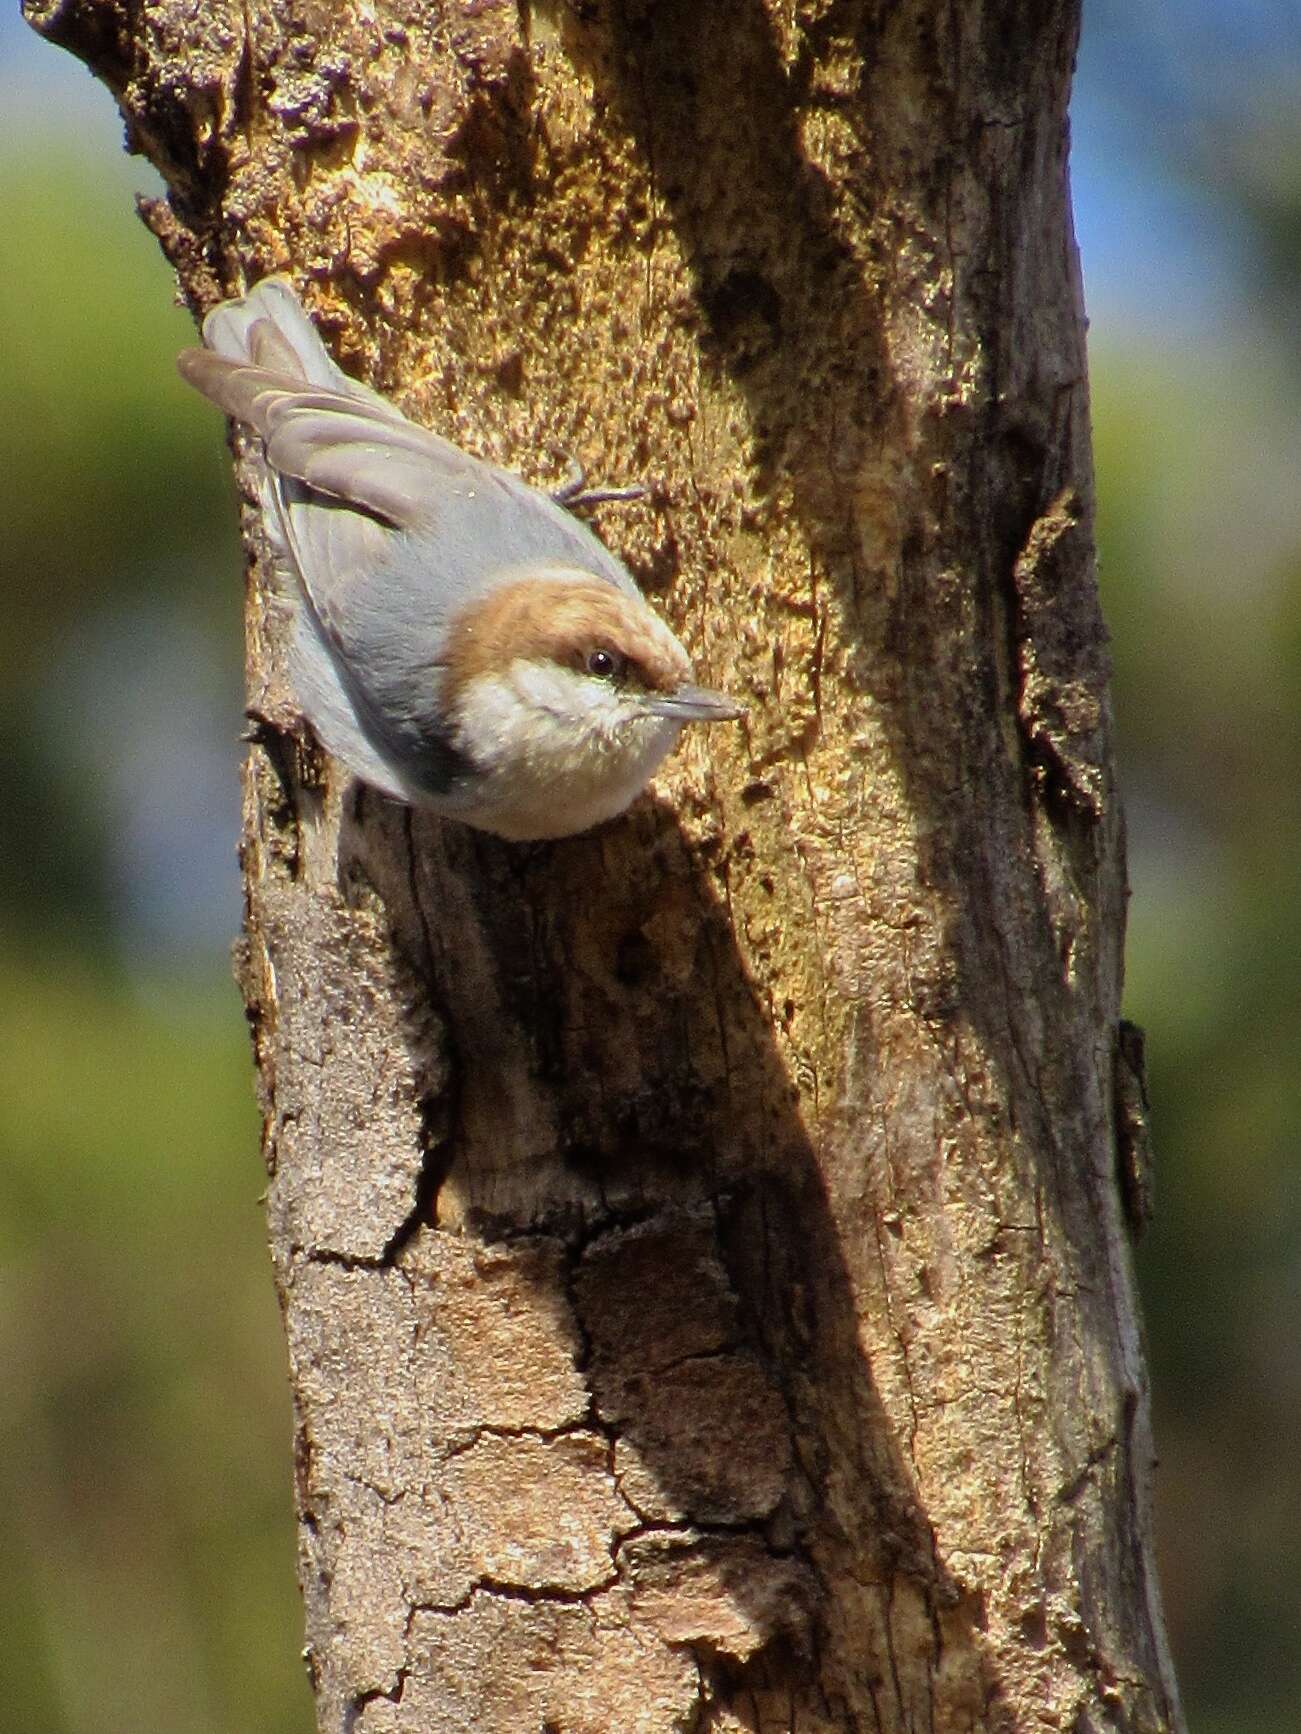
(701, 1242)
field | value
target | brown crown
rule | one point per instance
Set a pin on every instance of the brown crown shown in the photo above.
(562, 620)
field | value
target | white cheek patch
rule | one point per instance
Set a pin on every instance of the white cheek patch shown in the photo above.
(535, 712)
(559, 751)
(491, 719)
(564, 694)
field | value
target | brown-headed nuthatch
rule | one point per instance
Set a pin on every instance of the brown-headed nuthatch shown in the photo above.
(461, 641)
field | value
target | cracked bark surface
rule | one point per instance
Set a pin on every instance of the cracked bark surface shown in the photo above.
(703, 1262)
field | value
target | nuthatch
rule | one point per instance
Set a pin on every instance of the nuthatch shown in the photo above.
(461, 641)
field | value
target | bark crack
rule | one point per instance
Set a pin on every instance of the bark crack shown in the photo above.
(1077, 1485)
(356, 1708)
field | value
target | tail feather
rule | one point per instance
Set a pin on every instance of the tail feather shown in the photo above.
(253, 393)
(264, 364)
(270, 328)
(267, 337)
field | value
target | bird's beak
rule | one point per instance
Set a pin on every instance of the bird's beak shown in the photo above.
(694, 704)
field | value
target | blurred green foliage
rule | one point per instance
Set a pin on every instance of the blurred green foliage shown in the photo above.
(146, 1539)
(1200, 546)
(146, 1534)
(93, 433)
(144, 1501)
(110, 489)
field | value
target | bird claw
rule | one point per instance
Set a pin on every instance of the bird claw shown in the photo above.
(575, 495)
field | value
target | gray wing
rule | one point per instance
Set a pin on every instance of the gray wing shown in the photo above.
(390, 529)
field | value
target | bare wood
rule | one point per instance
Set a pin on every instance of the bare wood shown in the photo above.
(704, 1268)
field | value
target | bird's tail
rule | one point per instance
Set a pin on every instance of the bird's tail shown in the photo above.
(269, 328)
(263, 346)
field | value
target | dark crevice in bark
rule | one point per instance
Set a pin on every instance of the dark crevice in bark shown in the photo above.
(354, 1711)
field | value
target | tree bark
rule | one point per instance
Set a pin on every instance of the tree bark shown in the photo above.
(701, 1243)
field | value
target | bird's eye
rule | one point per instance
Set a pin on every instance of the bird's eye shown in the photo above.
(605, 665)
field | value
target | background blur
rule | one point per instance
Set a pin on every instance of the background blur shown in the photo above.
(146, 1553)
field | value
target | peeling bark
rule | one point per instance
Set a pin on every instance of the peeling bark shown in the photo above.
(701, 1247)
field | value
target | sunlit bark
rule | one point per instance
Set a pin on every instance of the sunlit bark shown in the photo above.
(702, 1255)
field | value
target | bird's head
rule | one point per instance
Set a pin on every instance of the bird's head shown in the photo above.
(565, 693)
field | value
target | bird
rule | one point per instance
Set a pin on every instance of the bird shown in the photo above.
(461, 641)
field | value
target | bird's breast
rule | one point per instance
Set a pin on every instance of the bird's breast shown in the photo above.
(552, 771)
